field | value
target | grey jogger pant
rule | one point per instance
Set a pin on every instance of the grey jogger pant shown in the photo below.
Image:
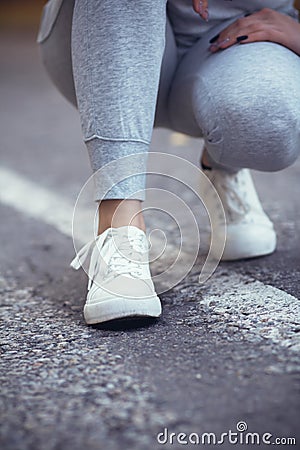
(138, 64)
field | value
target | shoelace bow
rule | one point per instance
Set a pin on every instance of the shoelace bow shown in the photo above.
(81, 256)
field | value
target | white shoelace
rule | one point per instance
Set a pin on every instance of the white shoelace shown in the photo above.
(81, 256)
(126, 259)
(235, 201)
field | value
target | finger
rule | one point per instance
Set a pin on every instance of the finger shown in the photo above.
(247, 24)
(222, 44)
(228, 42)
(227, 37)
(201, 7)
(238, 27)
(257, 36)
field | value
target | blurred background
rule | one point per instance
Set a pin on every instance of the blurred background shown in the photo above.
(26, 13)
(20, 13)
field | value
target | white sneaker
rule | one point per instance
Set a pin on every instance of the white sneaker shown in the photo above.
(120, 283)
(250, 232)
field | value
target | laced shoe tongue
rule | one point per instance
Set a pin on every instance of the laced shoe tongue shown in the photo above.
(234, 199)
(131, 236)
(125, 251)
(235, 206)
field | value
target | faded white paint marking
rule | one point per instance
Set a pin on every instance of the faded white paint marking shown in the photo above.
(258, 310)
(39, 203)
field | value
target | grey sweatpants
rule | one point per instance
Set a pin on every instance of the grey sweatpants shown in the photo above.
(132, 65)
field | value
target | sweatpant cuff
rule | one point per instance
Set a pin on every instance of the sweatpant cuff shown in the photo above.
(119, 168)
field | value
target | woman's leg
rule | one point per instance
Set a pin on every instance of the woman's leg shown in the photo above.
(116, 67)
(245, 102)
(111, 90)
(55, 43)
(246, 105)
(117, 49)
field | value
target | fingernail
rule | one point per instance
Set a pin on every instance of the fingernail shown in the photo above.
(213, 48)
(248, 14)
(241, 38)
(214, 39)
(200, 8)
(217, 45)
(204, 15)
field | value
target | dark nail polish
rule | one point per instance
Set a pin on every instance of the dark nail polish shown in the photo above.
(241, 38)
(214, 39)
(248, 14)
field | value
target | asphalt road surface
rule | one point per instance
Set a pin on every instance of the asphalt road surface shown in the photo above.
(225, 354)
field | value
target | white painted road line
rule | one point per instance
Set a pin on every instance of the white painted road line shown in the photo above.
(260, 311)
(244, 302)
(38, 202)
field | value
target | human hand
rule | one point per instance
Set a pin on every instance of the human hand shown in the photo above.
(201, 7)
(264, 25)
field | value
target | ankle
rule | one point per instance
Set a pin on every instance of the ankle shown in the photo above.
(205, 163)
(120, 213)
